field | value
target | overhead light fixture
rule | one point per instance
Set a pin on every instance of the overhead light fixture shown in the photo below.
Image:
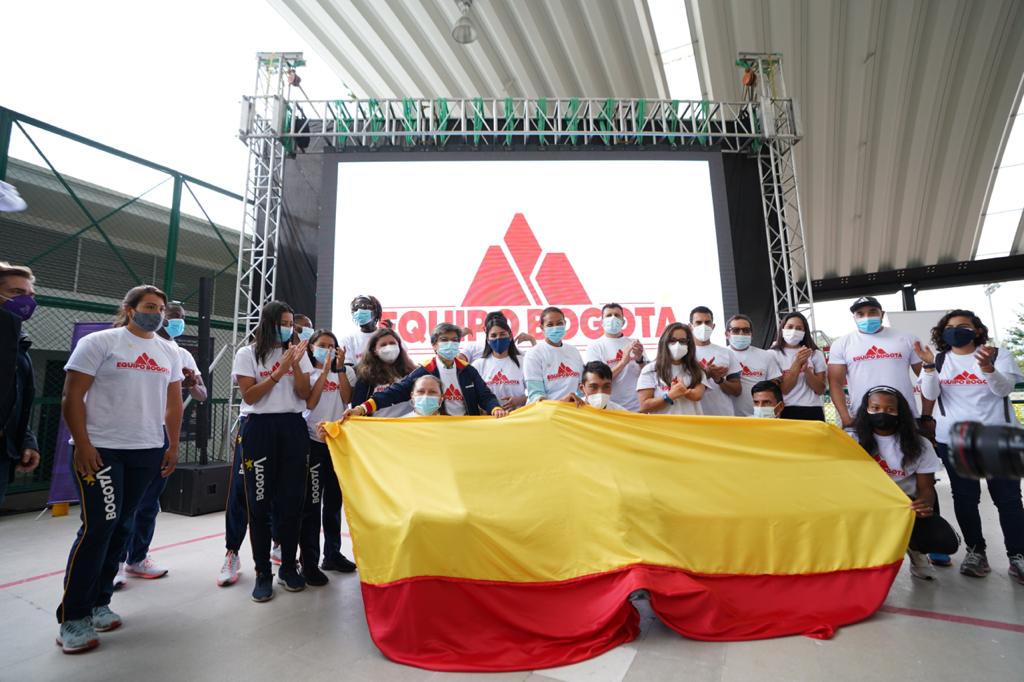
(464, 32)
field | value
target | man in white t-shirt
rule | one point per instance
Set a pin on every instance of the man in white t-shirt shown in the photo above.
(718, 362)
(366, 314)
(872, 355)
(756, 364)
(625, 356)
(596, 385)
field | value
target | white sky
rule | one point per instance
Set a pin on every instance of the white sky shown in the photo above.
(164, 80)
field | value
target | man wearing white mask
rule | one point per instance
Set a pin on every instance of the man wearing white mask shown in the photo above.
(873, 355)
(718, 362)
(766, 397)
(464, 390)
(597, 387)
(756, 364)
(625, 356)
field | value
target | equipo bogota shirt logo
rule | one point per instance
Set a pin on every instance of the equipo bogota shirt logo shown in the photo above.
(500, 379)
(965, 378)
(144, 363)
(266, 373)
(564, 372)
(747, 372)
(453, 393)
(876, 353)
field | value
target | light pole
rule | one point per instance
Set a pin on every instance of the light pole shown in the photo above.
(989, 290)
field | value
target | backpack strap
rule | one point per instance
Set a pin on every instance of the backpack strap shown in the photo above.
(939, 360)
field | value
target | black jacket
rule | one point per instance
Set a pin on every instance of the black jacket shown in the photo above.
(17, 436)
(476, 395)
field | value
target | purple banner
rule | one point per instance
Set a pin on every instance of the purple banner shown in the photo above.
(62, 483)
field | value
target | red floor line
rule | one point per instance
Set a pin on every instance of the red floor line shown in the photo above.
(950, 618)
(15, 583)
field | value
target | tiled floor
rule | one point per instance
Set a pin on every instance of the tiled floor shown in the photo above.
(184, 627)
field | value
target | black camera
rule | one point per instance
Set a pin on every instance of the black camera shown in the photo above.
(978, 451)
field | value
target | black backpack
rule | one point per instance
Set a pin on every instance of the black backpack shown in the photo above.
(941, 358)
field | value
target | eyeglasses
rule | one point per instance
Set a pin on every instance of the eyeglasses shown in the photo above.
(740, 330)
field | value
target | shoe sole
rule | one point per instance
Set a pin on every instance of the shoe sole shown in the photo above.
(145, 576)
(336, 569)
(978, 574)
(118, 587)
(92, 644)
(263, 600)
(109, 628)
(316, 584)
(289, 588)
(922, 577)
(227, 583)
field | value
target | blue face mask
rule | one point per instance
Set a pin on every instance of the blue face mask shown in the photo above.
(148, 322)
(739, 342)
(362, 316)
(869, 325)
(448, 349)
(320, 354)
(306, 333)
(284, 334)
(499, 345)
(175, 328)
(612, 324)
(958, 338)
(555, 334)
(426, 404)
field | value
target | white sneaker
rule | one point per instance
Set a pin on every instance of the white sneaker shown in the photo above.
(147, 568)
(230, 570)
(920, 566)
(120, 579)
(275, 555)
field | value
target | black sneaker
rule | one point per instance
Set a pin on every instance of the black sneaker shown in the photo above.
(290, 578)
(338, 563)
(264, 589)
(314, 577)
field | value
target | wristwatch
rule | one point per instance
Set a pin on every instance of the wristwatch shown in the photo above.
(720, 381)
(928, 365)
(667, 399)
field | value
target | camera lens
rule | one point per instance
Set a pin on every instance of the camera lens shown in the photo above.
(978, 451)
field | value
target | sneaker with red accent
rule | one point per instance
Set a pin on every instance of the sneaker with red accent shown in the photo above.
(121, 578)
(147, 568)
(77, 636)
(230, 569)
(1017, 568)
(275, 555)
(104, 620)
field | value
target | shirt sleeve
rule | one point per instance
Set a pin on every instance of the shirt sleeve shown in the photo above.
(187, 361)
(533, 375)
(89, 354)
(818, 361)
(930, 387)
(837, 355)
(774, 369)
(734, 365)
(245, 363)
(176, 365)
(593, 353)
(929, 462)
(648, 379)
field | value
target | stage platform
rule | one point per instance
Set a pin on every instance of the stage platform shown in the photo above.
(184, 627)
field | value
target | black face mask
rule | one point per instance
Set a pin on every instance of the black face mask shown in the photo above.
(883, 421)
(957, 337)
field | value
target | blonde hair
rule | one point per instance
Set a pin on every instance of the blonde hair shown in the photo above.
(8, 270)
(133, 298)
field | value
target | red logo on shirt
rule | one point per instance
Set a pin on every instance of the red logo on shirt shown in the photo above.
(496, 284)
(145, 363)
(453, 393)
(965, 378)
(264, 373)
(705, 362)
(564, 372)
(615, 360)
(893, 473)
(500, 379)
(330, 385)
(747, 372)
(876, 353)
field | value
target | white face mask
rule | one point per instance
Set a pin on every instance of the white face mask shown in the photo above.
(702, 332)
(764, 412)
(793, 336)
(678, 350)
(389, 353)
(599, 400)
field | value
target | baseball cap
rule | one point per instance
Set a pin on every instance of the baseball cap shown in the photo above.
(864, 302)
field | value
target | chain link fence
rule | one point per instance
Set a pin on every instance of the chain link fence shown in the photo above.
(99, 222)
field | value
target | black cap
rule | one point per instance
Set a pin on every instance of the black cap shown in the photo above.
(864, 302)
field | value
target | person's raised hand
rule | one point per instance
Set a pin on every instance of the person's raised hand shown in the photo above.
(986, 357)
(924, 352)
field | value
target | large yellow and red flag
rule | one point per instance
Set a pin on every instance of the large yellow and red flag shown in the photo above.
(511, 544)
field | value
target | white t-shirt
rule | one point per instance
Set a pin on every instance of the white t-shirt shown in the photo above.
(559, 368)
(802, 395)
(331, 406)
(451, 392)
(502, 375)
(355, 344)
(966, 394)
(610, 351)
(716, 401)
(125, 406)
(649, 379)
(756, 365)
(282, 397)
(187, 359)
(890, 458)
(882, 358)
(473, 350)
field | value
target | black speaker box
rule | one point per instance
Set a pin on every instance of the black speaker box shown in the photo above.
(195, 489)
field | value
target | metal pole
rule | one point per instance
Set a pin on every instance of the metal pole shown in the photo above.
(205, 351)
(172, 238)
(6, 125)
(908, 291)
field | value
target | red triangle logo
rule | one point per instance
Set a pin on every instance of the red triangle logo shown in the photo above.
(453, 393)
